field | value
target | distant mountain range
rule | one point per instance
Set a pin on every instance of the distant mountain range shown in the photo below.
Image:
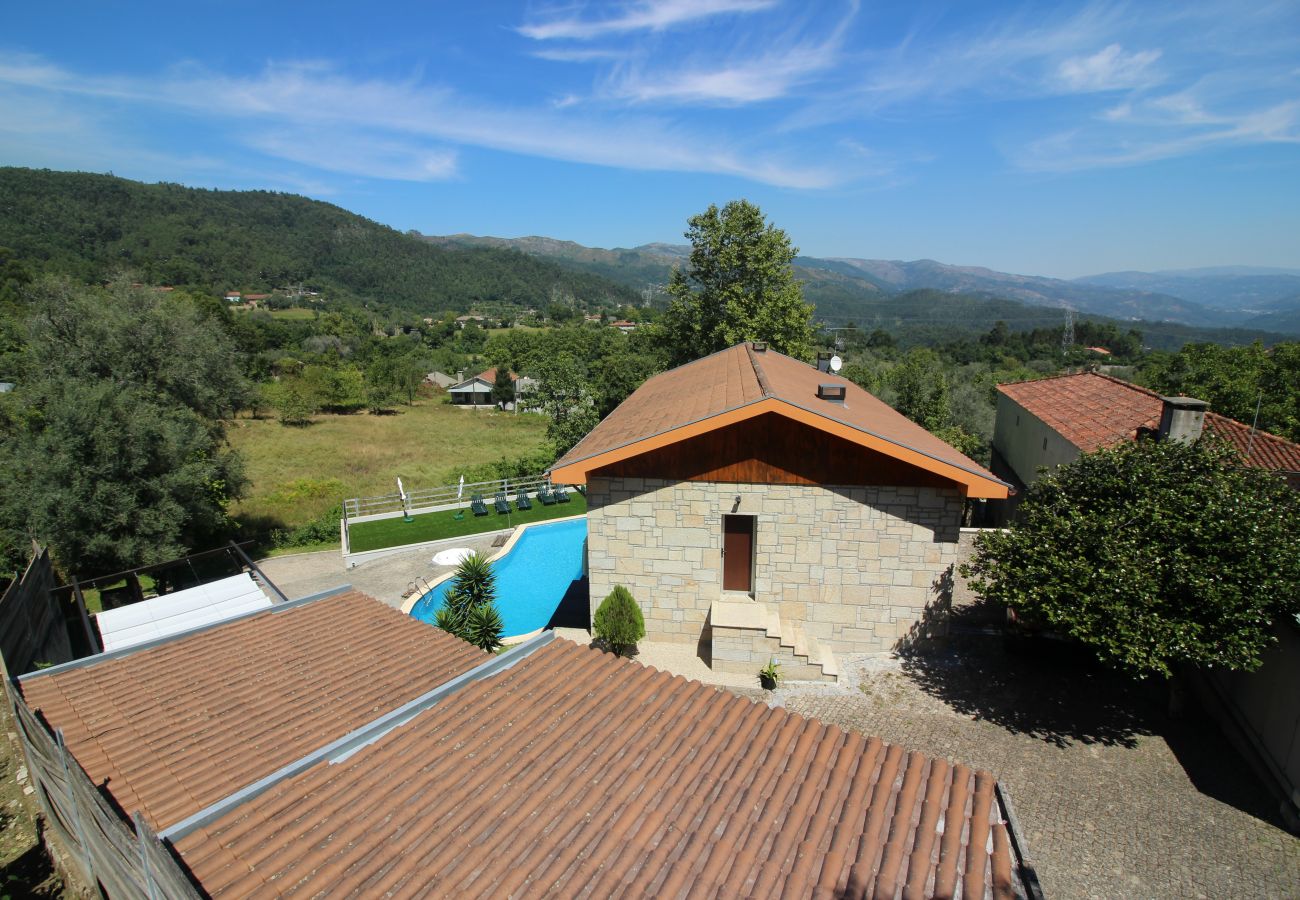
(1224, 297)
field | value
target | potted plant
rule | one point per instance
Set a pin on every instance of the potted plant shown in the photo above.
(770, 675)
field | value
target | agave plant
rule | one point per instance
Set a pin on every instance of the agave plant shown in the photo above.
(475, 578)
(468, 610)
(483, 627)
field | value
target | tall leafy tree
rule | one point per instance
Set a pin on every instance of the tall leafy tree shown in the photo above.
(503, 387)
(739, 285)
(563, 395)
(114, 449)
(1152, 554)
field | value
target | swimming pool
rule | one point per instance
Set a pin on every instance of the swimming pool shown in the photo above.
(532, 578)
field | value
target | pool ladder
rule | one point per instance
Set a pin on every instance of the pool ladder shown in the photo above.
(419, 586)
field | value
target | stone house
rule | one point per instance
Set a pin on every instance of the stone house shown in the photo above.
(758, 507)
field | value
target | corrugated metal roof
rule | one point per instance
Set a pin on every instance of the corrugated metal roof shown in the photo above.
(575, 773)
(173, 728)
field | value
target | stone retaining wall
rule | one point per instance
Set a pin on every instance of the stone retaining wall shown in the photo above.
(864, 569)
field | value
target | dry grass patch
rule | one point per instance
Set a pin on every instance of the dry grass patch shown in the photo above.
(297, 474)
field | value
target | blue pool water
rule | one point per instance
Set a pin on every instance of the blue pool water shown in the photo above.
(531, 579)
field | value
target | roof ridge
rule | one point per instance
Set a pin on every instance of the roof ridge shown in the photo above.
(1111, 378)
(763, 384)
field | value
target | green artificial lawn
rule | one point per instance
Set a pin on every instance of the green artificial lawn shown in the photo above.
(438, 525)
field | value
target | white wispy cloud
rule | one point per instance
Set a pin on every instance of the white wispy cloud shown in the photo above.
(1108, 69)
(644, 15)
(379, 126)
(783, 61)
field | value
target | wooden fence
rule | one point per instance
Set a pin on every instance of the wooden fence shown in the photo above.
(33, 624)
(105, 850)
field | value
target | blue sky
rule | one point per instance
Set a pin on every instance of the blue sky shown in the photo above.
(1041, 139)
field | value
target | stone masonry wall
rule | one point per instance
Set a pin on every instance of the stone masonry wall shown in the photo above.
(864, 569)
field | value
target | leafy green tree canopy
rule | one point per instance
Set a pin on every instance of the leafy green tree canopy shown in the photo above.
(739, 286)
(114, 451)
(1152, 554)
(564, 395)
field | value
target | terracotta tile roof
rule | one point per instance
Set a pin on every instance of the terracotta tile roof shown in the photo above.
(1091, 411)
(489, 376)
(1267, 451)
(176, 727)
(1088, 410)
(576, 773)
(739, 377)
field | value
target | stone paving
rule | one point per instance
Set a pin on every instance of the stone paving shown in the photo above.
(387, 579)
(1114, 798)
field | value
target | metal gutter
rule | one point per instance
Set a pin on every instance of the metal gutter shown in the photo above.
(340, 750)
(158, 642)
(1028, 877)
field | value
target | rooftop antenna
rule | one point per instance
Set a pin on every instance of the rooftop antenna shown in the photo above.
(1250, 444)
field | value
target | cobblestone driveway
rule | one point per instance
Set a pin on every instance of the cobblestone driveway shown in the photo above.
(1115, 800)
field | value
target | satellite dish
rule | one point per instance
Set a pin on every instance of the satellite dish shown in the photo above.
(836, 362)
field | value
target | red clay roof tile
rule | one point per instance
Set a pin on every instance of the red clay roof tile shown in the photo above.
(176, 727)
(577, 773)
(1091, 411)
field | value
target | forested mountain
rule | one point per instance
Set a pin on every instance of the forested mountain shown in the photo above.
(92, 227)
(849, 288)
(1239, 289)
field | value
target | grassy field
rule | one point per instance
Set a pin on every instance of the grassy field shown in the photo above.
(297, 474)
(438, 525)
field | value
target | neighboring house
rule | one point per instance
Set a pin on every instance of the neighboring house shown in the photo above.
(1051, 421)
(234, 296)
(623, 325)
(462, 321)
(443, 380)
(477, 391)
(273, 757)
(757, 507)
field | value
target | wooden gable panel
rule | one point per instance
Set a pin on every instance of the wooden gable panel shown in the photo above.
(772, 449)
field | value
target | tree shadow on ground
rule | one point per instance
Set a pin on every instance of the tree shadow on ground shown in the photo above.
(1047, 689)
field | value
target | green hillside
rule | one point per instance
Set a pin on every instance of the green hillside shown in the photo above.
(91, 227)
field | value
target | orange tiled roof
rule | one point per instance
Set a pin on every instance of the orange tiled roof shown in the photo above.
(1091, 411)
(176, 727)
(575, 773)
(489, 376)
(739, 383)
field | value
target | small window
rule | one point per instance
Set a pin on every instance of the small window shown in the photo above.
(1017, 421)
(1044, 443)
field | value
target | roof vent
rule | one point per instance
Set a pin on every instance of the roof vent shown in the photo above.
(823, 361)
(832, 393)
(760, 346)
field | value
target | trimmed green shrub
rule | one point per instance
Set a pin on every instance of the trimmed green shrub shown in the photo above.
(619, 622)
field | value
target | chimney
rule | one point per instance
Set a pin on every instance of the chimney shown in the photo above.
(832, 393)
(1182, 418)
(759, 346)
(823, 361)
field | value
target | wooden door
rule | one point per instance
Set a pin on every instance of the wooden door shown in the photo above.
(737, 553)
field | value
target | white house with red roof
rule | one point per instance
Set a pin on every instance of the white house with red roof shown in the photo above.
(476, 392)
